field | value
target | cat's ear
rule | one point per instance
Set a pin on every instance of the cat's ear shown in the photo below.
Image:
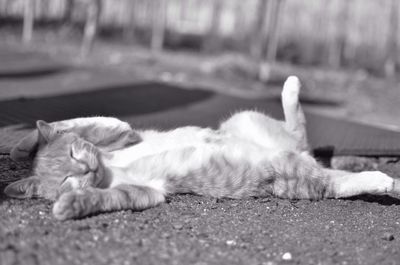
(46, 131)
(86, 153)
(24, 188)
(27, 147)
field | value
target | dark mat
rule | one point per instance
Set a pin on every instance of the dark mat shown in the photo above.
(164, 107)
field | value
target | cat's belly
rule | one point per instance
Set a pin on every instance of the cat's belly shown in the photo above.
(188, 162)
(165, 158)
(159, 142)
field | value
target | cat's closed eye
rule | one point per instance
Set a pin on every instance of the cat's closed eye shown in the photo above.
(65, 179)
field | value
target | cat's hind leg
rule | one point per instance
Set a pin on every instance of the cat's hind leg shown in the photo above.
(299, 176)
(344, 184)
(83, 202)
(295, 122)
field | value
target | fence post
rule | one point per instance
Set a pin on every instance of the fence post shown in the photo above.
(159, 21)
(350, 47)
(212, 39)
(91, 26)
(129, 27)
(333, 39)
(68, 11)
(274, 28)
(261, 30)
(391, 50)
(29, 14)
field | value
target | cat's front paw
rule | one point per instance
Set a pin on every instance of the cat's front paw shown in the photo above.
(70, 205)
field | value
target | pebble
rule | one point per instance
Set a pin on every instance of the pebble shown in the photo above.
(265, 200)
(231, 242)
(140, 242)
(287, 256)
(165, 235)
(177, 226)
(260, 247)
(388, 236)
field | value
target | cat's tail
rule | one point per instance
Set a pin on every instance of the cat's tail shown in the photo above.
(295, 121)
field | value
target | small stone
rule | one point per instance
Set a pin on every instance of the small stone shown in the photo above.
(177, 226)
(265, 200)
(140, 242)
(287, 256)
(388, 236)
(231, 242)
(13, 167)
(165, 235)
(260, 247)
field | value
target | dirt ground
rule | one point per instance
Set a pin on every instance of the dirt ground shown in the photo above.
(190, 229)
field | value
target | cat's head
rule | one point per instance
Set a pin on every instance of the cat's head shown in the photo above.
(63, 162)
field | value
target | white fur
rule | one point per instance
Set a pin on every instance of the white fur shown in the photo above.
(247, 136)
(374, 182)
(290, 92)
(74, 182)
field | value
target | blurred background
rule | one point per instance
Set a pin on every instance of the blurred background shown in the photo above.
(344, 50)
(359, 33)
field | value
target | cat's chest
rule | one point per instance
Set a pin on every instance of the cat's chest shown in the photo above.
(154, 143)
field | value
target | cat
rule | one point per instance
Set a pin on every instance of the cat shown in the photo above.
(100, 164)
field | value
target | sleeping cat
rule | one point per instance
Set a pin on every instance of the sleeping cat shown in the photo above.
(99, 164)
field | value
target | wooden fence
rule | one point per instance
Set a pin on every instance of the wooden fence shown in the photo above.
(332, 32)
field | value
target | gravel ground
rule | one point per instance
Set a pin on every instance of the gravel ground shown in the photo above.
(191, 229)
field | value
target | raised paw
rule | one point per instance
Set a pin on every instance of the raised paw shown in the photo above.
(120, 141)
(130, 138)
(291, 90)
(70, 205)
